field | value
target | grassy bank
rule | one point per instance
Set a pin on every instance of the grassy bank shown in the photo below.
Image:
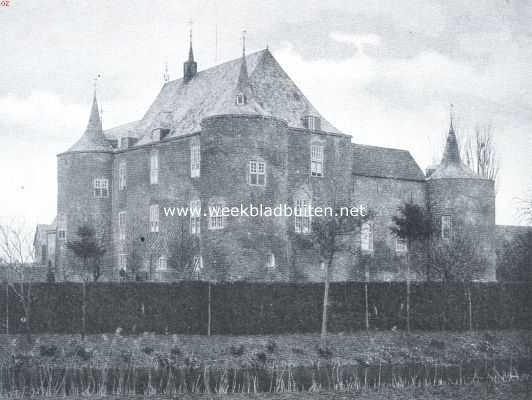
(289, 350)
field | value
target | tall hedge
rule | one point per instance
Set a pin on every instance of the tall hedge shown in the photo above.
(267, 308)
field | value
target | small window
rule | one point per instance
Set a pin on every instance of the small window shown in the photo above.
(302, 216)
(197, 266)
(366, 236)
(156, 135)
(154, 167)
(154, 218)
(257, 173)
(122, 261)
(101, 188)
(240, 99)
(216, 219)
(446, 227)
(270, 261)
(195, 215)
(401, 245)
(61, 227)
(312, 123)
(122, 225)
(124, 142)
(195, 159)
(162, 265)
(316, 160)
(122, 173)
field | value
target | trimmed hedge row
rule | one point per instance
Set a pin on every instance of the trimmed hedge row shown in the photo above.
(266, 308)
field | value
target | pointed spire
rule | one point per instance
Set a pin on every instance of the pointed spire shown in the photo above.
(190, 67)
(452, 152)
(93, 139)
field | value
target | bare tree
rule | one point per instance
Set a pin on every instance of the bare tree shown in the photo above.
(17, 253)
(479, 152)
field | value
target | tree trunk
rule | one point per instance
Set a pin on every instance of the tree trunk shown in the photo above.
(366, 305)
(7, 308)
(323, 338)
(407, 292)
(83, 308)
(469, 307)
(209, 311)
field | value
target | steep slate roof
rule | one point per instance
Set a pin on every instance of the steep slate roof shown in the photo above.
(207, 92)
(93, 139)
(451, 166)
(385, 163)
(122, 130)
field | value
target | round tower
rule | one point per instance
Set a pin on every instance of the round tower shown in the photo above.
(245, 164)
(84, 189)
(462, 206)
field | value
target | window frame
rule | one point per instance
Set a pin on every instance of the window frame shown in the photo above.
(446, 225)
(122, 175)
(270, 261)
(122, 261)
(154, 167)
(122, 225)
(401, 245)
(195, 218)
(195, 159)
(162, 263)
(100, 188)
(316, 159)
(240, 99)
(216, 222)
(369, 228)
(154, 218)
(62, 227)
(254, 171)
(302, 223)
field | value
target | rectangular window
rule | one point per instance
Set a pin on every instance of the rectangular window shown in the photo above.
(257, 173)
(446, 227)
(197, 266)
(316, 160)
(122, 261)
(122, 225)
(122, 171)
(101, 188)
(312, 122)
(302, 215)
(154, 167)
(61, 227)
(366, 237)
(270, 261)
(163, 264)
(195, 219)
(195, 159)
(154, 218)
(216, 220)
(401, 245)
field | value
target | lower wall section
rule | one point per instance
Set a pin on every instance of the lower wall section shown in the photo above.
(260, 308)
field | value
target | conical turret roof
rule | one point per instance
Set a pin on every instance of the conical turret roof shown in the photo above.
(93, 139)
(451, 166)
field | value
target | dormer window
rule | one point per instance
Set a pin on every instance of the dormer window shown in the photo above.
(312, 122)
(240, 99)
(156, 135)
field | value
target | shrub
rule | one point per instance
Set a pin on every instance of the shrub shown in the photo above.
(271, 346)
(48, 350)
(261, 357)
(437, 344)
(147, 350)
(237, 351)
(82, 353)
(175, 351)
(325, 353)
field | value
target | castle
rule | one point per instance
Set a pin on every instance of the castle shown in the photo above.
(243, 133)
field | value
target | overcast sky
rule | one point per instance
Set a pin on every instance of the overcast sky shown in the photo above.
(384, 72)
